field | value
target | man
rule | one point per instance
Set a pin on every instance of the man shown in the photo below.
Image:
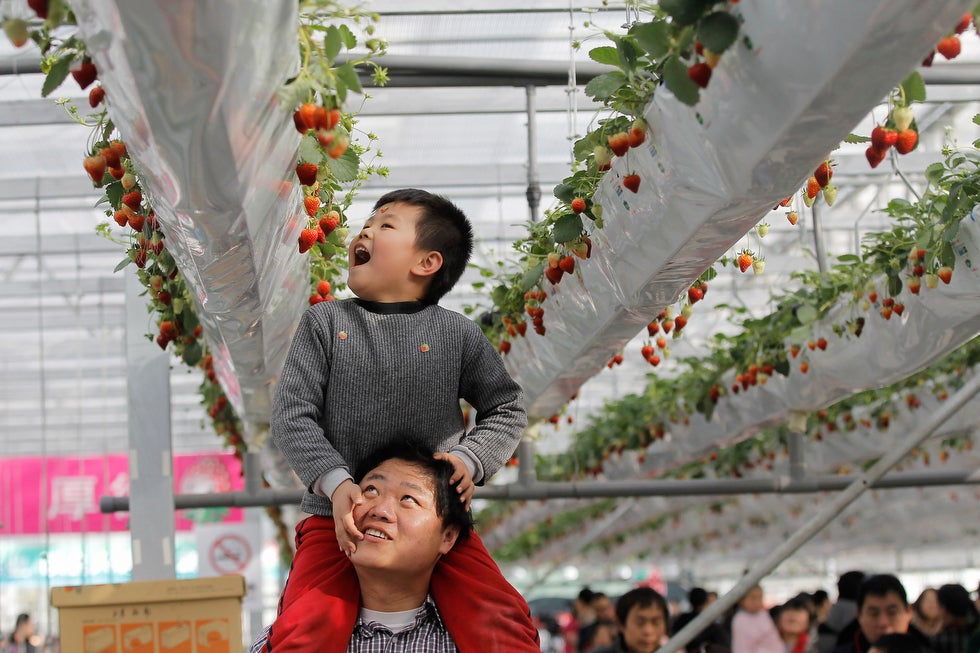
(641, 615)
(410, 518)
(841, 613)
(714, 633)
(883, 609)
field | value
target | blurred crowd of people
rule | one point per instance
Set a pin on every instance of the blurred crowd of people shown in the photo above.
(871, 614)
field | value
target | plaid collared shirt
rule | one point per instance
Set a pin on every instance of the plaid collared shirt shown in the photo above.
(428, 635)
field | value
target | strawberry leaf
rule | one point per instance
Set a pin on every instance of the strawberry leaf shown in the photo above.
(56, 74)
(805, 314)
(567, 228)
(605, 85)
(309, 150)
(653, 37)
(344, 168)
(114, 193)
(718, 30)
(121, 264)
(332, 43)
(856, 138)
(677, 81)
(605, 54)
(348, 37)
(915, 88)
(348, 75)
(564, 192)
(685, 12)
(192, 353)
(532, 277)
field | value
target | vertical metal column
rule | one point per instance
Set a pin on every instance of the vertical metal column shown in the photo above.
(533, 187)
(151, 483)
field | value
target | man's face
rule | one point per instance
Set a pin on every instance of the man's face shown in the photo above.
(382, 255)
(883, 615)
(402, 532)
(604, 609)
(644, 629)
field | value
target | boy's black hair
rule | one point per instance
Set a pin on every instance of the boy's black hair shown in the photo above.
(697, 597)
(448, 506)
(443, 228)
(898, 643)
(642, 597)
(956, 600)
(22, 619)
(881, 585)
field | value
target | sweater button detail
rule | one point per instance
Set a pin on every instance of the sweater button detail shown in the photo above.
(342, 335)
(424, 347)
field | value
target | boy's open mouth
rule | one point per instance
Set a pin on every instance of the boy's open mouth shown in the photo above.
(361, 255)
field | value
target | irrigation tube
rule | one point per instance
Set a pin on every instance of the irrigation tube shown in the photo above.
(821, 519)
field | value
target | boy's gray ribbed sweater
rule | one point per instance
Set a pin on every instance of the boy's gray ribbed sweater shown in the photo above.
(359, 374)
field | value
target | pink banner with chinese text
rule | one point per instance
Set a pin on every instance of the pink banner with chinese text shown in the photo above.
(61, 494)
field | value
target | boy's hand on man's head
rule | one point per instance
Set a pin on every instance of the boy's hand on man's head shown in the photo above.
(344, 498)
(461, 477)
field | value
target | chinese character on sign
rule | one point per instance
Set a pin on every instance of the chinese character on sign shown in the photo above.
(72, 497)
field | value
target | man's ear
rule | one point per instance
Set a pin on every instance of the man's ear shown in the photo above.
(449, 536)
(428, 265)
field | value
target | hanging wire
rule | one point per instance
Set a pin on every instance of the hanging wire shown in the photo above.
(571, 91)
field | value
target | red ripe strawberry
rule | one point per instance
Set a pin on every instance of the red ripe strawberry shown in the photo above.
(40, 8)
(647, 351)
(164, 297)
(653, 327)
(315, 299)
(804, 367)
(667, 325)
(136, 221)
(307, 238)
(85, 74)
(661, 342)
(654, 360)
(915, 284)
(694, 294)
(812, 187)
(332, 119)
(325, 138)
(822, 344)
(679, 323)
(619, 143)
(882, 138)
(111, 157)
(121, 217)
(553, 274)
(306, 172)
(906, 141)
(578, 205)
(133, 199)
(95, 96)
(638, 136)
(329, 222)
(961, 26)
(567, 264)
(899, 309)
(95, 167)
(949, 47)
(521, 328)
(311, 203)
(945, 273)
(918, 269)
(874, 156)
(118, 148)
(700, 74)
(823, 173)
(305, 118)
(504, 347)
(340, 144)
(140, 258)
(323, 287)
(793, 217)
(745, 258)
(632, 182)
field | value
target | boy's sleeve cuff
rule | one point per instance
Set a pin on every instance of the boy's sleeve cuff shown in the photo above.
(470, 460)
(329, 482)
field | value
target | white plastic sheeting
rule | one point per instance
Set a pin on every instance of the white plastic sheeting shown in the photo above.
(192, 91)
(709, 173)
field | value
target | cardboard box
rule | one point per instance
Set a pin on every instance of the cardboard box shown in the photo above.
(200, 615)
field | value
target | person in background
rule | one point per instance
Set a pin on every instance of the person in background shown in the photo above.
(925, 613)
(753, 630)
(883, 609)
(602, 607)
(713, 634)
(842, 612)
(23, 639)
(959, 617)
(793, 620)
(641, 617)
(821, 604)
(581, 615)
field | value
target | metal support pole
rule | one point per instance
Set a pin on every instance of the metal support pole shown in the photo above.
(823, 517)
(818, 244)
(525, 463)
(533, 187)
(797, 464)
(151, 481)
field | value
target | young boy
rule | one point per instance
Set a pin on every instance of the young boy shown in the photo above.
(392, 361)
